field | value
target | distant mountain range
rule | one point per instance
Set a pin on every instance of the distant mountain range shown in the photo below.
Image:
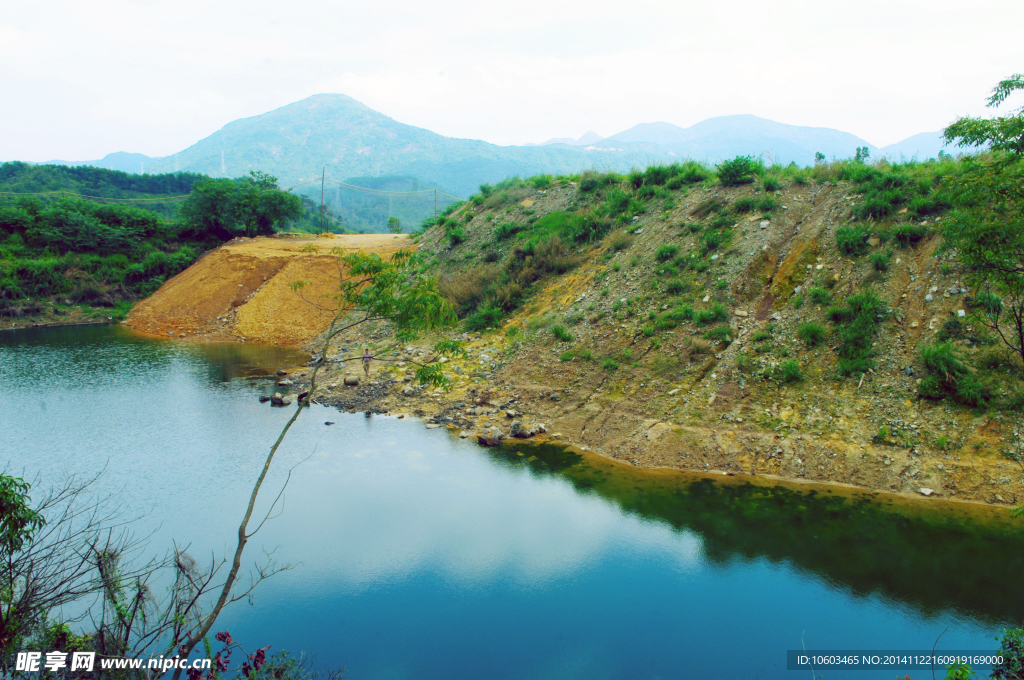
(333, 131)
(119, 160)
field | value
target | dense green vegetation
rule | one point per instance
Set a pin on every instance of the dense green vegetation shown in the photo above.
(89, 182)
(60, 251)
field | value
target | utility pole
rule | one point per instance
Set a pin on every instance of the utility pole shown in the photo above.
(323, 177)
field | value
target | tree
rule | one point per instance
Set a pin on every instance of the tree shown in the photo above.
(261, 205)
(251, 206)
(210, 211)
(394, 226)
(986, 226)
(370, 289)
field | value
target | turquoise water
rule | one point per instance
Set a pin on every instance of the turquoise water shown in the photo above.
(417, 555)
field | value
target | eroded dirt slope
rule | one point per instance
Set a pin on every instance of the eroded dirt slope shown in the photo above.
(241, 291)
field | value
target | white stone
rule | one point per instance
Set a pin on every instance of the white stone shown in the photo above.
(961, 313)
(925, 491)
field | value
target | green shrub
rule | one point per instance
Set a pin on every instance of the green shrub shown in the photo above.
(506, 231)
(859, 321)
(713, 240)
(540, 181)
(853, 240)
(666, 252)
(798, 301)
(907, 235)
(676, 287)
(789, 372)
(567, 356)
(720, 333)
(989, 302)
(744, 205)
(713, 314)
(610, 365)
(456, 236)
(488, 317)
(949, 376)
(839, 314)
(561, 334)
(772, 184)
(880, 261)
(811, 334)
(819, 296)
(740, 170)
(671, 319)
(760, 335)
(1011, 649)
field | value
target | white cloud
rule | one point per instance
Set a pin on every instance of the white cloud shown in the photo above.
(84, 79)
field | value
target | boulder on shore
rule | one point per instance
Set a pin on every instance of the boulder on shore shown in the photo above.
(280, 400)
(487, 440)
(351, 380)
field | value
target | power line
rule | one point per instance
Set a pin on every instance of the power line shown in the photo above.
(380, 192)
(15, 194)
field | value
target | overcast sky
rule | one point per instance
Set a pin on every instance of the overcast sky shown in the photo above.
(82, 79)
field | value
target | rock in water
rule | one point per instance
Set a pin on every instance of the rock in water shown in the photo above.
(285, 382)
(487, 440)
(264, 398)
(277, 399)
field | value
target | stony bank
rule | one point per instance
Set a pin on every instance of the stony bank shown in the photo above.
(772, 326)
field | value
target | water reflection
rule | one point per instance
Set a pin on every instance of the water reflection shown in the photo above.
(925, 555)
(421, 555)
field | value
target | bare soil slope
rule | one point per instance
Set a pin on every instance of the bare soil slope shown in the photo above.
(241, 291)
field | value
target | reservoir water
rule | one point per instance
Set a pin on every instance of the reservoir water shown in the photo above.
(417, 555)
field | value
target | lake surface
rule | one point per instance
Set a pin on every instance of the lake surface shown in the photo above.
(422, 556)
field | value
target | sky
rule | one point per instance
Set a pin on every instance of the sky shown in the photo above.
(83, 79)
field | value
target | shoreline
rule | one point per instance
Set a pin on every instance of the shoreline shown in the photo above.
(385, 394)
(462, 411)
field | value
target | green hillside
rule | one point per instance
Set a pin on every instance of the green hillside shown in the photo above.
(52, 182)
(76, 239)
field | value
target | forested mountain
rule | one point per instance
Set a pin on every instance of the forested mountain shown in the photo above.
(333, 132)
(296, 142)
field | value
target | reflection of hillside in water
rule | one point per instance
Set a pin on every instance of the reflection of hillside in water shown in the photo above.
(924, 555)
